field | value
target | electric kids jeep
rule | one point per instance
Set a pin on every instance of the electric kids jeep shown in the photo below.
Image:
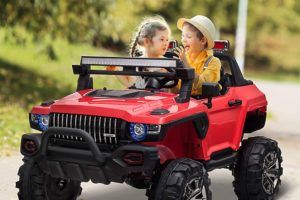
(150, 138)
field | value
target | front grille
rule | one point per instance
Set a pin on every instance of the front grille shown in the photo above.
(105, 130)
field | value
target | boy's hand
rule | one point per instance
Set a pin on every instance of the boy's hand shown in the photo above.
(111, 68)
(180, 52)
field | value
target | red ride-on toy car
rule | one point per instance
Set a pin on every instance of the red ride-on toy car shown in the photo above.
(151, 139)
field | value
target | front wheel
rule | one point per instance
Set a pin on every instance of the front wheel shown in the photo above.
(34, 184)
(182, 179)
(258, 169)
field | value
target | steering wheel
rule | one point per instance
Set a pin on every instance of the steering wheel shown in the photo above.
(161, 82)
(158, 83)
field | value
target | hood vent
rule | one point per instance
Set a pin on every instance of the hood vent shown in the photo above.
(120, 93)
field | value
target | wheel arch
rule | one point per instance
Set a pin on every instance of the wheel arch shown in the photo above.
(255, 120)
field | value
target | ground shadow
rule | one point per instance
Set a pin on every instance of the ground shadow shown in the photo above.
(285, 188)
(111, 192)
(25, 87)
(221, 188)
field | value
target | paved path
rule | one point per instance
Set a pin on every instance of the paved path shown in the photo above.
(221, 179)
(284, 126)
(283, 106)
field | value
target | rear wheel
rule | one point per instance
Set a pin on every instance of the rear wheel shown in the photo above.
(182, 179)
(258, 169)
(34, 184)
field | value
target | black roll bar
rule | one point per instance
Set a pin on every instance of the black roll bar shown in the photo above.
(128, 66)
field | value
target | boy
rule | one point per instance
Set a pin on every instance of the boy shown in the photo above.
(198, 40)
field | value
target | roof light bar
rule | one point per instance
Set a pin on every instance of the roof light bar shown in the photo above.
(135, 62)
(221, 45)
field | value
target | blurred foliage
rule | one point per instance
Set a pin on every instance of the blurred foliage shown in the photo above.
(273, 25)
(28, 77)
(273, 32)
(72, 19)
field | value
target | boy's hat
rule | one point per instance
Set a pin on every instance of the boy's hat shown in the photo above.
(204, 25)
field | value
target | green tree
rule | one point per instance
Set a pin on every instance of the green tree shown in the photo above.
(75, 20)
(272, 24)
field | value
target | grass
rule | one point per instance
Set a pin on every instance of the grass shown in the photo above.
(28, 77)
(13, 122)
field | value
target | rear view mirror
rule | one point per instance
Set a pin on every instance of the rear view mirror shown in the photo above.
(210, 90)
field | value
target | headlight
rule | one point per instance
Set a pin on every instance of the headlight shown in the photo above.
(39, 121)
(138, 132)
(34, 118)
(44, 122)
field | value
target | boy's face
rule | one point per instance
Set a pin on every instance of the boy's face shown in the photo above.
(158, 46)
(190, 41)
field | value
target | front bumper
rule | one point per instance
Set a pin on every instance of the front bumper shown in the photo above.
(88, 164)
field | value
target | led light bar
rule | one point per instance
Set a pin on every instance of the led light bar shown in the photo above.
(134, 62)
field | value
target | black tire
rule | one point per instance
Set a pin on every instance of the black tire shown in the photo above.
(253, 173)
(34, 184)
(175, 179)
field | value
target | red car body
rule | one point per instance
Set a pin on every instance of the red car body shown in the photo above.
(226, 123)
(150, 138)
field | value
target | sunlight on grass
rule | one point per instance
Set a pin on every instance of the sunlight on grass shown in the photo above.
(13, 123)
(28, 76)
(32, 56)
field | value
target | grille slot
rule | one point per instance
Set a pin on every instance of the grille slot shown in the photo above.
(105, 130)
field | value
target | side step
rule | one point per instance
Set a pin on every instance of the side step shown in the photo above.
(221, 159)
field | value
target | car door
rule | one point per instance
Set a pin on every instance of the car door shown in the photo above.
(225, 116)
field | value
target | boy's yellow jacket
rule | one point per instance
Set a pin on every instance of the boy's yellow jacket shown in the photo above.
(210, 74)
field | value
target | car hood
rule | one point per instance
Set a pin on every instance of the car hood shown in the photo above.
(130, 107)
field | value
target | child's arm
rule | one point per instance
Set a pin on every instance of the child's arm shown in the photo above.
(127, 81)
(181, 54)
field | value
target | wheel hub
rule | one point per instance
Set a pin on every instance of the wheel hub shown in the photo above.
(61, 183)
(195, 190)
(271, 172)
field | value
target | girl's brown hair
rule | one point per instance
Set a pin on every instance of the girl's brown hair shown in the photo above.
(147, 29)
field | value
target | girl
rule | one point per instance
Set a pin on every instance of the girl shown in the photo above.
(151, 40)
(198, 40)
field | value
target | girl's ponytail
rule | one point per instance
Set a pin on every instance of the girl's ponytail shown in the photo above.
(134, 44)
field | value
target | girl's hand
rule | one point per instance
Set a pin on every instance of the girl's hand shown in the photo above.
(180, 52)
(111, 68)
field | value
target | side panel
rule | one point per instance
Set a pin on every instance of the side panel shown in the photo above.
(226, 125)
(227, 122)
(180, 141)
(223, 126)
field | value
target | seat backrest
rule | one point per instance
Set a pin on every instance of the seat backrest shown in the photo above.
(224, 81)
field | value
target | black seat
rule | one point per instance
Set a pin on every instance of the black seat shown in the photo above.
(224, 81)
